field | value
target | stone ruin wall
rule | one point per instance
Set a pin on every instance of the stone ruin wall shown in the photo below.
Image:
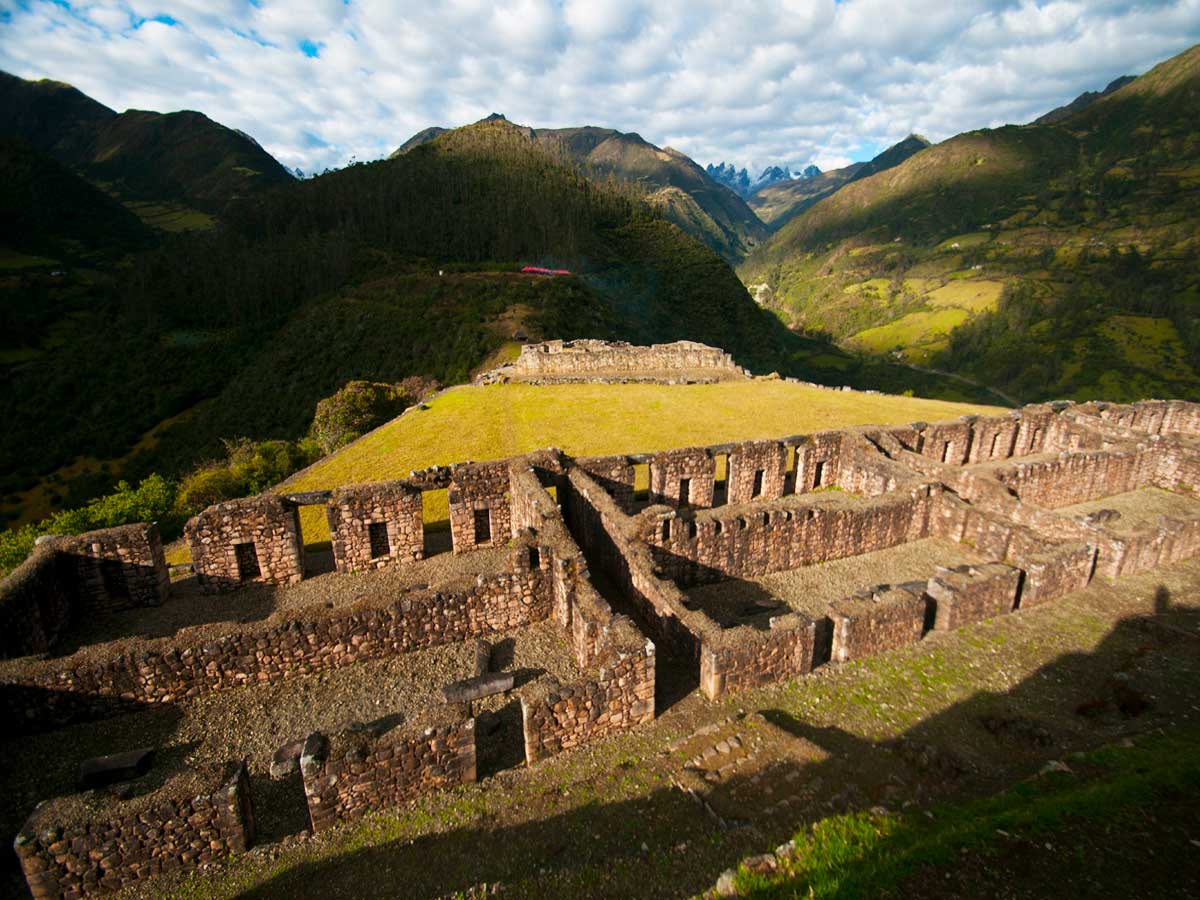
(64, 855)
(91, 684)
(356, 771)
(780, 535)
(1038, 557)
(256, 539)
(357, 513)
(591, 357)
(617, 690)
(65, 577)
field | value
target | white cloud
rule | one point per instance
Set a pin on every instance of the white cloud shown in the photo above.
(755, 83)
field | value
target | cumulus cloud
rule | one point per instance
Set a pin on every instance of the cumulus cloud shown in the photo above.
(318, 82)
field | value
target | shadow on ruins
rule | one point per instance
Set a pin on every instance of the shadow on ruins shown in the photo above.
(971, 748)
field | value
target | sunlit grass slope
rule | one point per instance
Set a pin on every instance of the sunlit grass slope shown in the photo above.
(492, 422)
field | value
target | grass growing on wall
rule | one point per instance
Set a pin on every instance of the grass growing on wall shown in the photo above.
(492, 422)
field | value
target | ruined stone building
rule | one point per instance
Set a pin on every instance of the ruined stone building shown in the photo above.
(744, 564)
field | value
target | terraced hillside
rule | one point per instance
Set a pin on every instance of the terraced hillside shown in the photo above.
(1053, 260)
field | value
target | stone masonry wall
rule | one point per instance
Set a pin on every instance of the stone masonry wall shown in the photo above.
(1080, 477)
(110, 569)
(479, 488)
(35, 604)
(66, 852)
(93, 684)
(614, 474)
(781, 535)
(968, 594)
(617, 690)
(757, 471)
(743, 658)
(620, 696)
(875, 621)
(669, 468)
(394, 505)
(254, 539)
(353, 772)
(582, 357)
(116, 568)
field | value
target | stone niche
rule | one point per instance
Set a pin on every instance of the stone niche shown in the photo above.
(375, 525)
(256, 539)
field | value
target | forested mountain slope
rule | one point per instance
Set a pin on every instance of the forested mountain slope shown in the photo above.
(1054, 260)
(141, 157)
(671, 181)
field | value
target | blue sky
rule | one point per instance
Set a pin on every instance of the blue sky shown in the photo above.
(317, 82)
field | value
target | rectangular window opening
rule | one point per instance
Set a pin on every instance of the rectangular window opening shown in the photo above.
(818, 473)
(247, 561)
(641, 483)
(483, 526)
(535, 558)
(377, 534)
(946, 452)
(756, 489)
(995, 443)
(666, 529)
(720, 478)
(691, 528)
(685, 490)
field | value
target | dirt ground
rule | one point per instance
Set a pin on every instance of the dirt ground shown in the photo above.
(811, 589)
(1137, 510)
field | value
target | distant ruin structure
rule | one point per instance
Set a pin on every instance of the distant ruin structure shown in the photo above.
(918, 528)
(614, 362)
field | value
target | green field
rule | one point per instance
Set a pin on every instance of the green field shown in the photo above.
(919, 331)
(496, 421)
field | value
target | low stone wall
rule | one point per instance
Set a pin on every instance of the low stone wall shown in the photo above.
(92, 844)
(743, 658)
(970, 594)
(620, 696)
(375, 525)
(747, 542)
(255, 539)
(1123, 553)
(876, 621)
(356, 771)
(107, 570)
(96, 682)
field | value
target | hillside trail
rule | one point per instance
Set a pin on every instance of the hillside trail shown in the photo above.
(1007, 398)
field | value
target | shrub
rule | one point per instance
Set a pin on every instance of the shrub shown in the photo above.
(362, 405)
